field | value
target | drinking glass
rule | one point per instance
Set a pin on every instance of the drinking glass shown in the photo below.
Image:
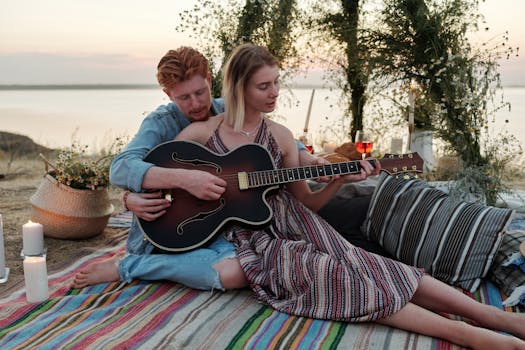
(306, 140)
(363, 143)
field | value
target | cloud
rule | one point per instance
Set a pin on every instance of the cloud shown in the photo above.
(46, 68)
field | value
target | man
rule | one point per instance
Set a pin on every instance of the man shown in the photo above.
(185, 78)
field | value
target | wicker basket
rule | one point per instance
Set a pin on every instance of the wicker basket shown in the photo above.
(70, 213)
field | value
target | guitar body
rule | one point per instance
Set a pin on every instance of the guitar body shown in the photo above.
(250, 173)
(190, 222)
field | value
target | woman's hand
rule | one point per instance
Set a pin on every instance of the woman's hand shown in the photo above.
(147, 206)
(307, 159)
(366, 170)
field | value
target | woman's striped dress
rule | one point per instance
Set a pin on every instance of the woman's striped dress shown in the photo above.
(301, 266)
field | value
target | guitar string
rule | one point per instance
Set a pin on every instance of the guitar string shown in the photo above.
(232, 179)
(234, 176)
(284, 171)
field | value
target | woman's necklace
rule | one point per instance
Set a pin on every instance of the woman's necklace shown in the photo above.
(250, 133)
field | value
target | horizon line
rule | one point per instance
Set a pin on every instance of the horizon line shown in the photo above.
(131, 86)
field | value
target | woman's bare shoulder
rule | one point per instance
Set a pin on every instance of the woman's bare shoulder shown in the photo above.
(284, 138)
(278, 129)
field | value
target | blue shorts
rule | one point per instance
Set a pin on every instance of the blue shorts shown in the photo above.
(193, 269)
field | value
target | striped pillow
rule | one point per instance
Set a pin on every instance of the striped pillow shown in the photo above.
(422, 226)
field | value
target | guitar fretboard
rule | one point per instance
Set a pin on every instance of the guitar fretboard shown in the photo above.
(286, 175)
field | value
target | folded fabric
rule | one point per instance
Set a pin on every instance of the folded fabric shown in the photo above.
(505, 271)
(517, 296)
(122, 219)
(515, 260)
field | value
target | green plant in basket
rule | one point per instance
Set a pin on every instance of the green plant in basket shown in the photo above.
(76, 168)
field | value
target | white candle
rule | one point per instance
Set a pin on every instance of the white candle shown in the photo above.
(35, 274)
(396, 145)
(411, 107)
(411, 103)
(307, 121)
(2, 251)
(33, 238)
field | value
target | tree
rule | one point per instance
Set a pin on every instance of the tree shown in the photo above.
(341, 22)
(427, 42)
(264, 22)
(276, 24)
(421, 41)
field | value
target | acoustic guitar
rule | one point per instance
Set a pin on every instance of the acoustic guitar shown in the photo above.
(250, 174)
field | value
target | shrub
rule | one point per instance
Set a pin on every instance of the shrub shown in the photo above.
(78, 169)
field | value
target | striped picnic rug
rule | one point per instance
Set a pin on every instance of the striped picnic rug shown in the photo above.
(163, 315)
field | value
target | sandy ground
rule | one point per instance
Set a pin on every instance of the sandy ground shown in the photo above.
(15, 191)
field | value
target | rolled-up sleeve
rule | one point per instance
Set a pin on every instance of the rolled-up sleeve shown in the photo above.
(128, 168)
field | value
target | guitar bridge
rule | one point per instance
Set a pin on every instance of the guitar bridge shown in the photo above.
(243, 180)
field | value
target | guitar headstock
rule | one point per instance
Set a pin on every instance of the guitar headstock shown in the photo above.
(402, 163)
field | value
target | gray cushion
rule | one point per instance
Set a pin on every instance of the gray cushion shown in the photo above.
(422, 226)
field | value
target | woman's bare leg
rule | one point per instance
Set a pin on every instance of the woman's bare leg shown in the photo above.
(416, 319)
(435, 295)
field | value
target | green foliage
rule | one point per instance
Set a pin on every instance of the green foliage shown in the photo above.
(339, 22)
(424, 42)
(427, 42)
(490, 179)
(78, 169)
(221, 26)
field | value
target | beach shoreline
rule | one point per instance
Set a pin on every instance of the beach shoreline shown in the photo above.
(54, 117)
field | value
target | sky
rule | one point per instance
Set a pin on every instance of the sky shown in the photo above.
(121, 41)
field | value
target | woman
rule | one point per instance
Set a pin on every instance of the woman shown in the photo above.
(300, 265)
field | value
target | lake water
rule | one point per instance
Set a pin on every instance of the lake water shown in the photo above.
(54, 117)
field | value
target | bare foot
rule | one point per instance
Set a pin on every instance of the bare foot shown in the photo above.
(99, 272)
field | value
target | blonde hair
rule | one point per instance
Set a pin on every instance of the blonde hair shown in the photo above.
(244, 61)
(180, 65)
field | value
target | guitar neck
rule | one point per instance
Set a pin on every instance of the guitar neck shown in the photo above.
(287, 175)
